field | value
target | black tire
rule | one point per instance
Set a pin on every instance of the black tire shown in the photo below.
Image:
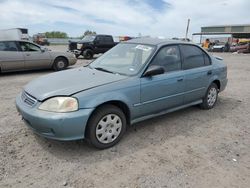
(77, 55)
(60, 63)
(88, 54)
(211, 97)
(94, 124)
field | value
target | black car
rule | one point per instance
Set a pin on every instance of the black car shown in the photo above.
(92, 44)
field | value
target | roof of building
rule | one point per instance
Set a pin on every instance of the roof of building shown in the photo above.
(237, 31)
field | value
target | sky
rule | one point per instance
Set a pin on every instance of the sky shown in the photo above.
(165, 18)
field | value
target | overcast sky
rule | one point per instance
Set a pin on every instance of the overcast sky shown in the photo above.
(166, 18)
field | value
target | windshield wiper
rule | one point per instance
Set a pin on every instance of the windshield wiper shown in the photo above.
(102, 69)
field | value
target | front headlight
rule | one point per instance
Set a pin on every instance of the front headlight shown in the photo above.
(59, 104)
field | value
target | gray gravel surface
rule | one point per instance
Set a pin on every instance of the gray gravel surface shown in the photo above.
(188, 148)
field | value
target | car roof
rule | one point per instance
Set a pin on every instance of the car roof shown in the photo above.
(156, 41)
(6, 40)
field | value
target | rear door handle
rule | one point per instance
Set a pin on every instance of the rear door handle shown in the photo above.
(180, 80)
(209, 72)
(27, 54)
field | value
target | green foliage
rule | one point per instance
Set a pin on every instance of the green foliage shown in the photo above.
(88, 32)
(56, 34)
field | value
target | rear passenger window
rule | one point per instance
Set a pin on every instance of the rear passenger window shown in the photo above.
(169, 58)
(206, 59)
(8, 46)
(193, 57)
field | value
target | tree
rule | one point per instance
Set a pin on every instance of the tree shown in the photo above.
(88, 32)
(56, 34)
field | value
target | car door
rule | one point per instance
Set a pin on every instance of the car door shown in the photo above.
(164, 91)
(11, 58)
(35, 58)
(99, 44)
(109, 43)
(198, 72)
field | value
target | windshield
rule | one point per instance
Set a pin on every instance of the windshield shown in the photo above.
(124, 58)
(89, 38)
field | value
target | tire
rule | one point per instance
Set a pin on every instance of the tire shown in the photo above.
(60, 63)
(106, 126)
(77, 55)
(211, 97)
(88, 54)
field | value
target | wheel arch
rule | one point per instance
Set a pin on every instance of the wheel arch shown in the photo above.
(87, 48)
(120, 104)
(217, 82)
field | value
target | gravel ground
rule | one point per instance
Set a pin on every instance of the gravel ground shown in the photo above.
(188, 148)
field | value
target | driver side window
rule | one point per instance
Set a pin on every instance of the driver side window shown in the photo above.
(169, 58)
(28, 47)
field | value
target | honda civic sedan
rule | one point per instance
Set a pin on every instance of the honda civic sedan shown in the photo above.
(134, 81)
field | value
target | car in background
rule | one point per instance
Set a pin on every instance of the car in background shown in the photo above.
(91, 45)
(218, 46)
(41, 39)
(243, 47)
(134, 81)
(23, 55)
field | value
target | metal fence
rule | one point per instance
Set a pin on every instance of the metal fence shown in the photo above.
(59, 41)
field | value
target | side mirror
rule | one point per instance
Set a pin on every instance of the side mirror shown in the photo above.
(43, 49)
(153, 70)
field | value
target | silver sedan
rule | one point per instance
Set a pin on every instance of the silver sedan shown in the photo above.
(24, 55)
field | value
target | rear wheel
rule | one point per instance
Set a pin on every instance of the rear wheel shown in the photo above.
(211, 96)
(106, 126)
(60, 63)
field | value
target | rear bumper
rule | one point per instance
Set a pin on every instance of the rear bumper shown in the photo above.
(58, 126)
(72, 61)
(223, 84)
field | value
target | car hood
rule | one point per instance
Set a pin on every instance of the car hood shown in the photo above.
(66, 83)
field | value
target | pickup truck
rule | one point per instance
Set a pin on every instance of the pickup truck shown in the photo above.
(91, 45)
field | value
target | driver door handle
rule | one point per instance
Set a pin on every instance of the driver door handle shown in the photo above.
(27, 54)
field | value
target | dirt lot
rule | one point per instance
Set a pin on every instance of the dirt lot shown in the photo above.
(188, 148)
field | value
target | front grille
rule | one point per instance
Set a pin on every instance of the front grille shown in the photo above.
(28, 99)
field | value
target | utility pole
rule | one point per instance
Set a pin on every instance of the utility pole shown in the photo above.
(187, 29)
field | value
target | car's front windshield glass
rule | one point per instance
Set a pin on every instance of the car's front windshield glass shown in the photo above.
(124, 58)
(89, 38)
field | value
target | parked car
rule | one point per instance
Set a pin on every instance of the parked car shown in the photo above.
(24, 55)
(241, 48)
(91, 45)
(41, 39)
(135, 80)
(219, 47)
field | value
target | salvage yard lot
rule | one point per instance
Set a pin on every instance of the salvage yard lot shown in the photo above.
(188, 148)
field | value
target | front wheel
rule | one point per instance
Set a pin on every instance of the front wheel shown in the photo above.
(211, 96)
(88, 54)
(106, 126)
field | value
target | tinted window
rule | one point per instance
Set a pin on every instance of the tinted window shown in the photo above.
(169, 58)
(8, 46)
(206, 59)
(193, 57)
(28, 47)
(108, 39)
